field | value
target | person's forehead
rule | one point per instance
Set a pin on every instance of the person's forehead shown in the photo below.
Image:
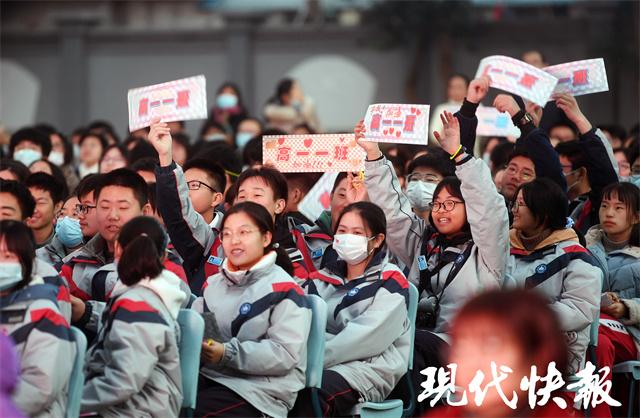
(249, 124)
(27, 142)
(351, 220)
(37, 191)
(8, 199)
(253, 183)
(521, 162)
(426, 170)
(116, 193)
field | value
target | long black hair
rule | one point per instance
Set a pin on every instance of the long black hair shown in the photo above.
(19, 240)
(263, 221)
(144, 244)
(546, 201)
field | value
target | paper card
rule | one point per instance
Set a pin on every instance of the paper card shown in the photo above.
(397, 123)
(493, 123)
(312, 153)
(319, 197)
(518, 77)
(580, 77)
(183, 99)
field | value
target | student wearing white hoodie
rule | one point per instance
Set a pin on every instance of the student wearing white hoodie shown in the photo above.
(133, 369)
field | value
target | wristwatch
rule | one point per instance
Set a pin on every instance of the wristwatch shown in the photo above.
(526, 118)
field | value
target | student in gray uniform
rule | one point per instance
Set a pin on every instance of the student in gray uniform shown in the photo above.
(253, 362)
(133, 369)
(30, 315)
(548, 258)
(368, 331)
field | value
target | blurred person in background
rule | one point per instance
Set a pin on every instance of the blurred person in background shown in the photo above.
(248, 128)
(92, 145)
(457, 85)
(228, 109)
(28, 145)
(289, 107)
(113, 157)
(61, 154)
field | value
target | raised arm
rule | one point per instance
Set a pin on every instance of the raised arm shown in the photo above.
(477, 90)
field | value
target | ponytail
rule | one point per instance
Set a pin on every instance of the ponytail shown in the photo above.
(139, 259)
(143, 243)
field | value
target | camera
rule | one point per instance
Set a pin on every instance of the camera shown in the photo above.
(428, 312)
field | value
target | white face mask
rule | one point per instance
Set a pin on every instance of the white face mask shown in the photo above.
(76, 151)
(351, 248)
(215, 137)
(10, 274)
(56, 158)
(420, 194)
(27, 156)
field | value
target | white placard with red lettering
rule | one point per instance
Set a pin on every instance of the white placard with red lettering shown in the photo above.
(493, 123)
(397, 123)
(319, 197)
(518, 77)
(580, 77)
(312, 153)
(183, 99)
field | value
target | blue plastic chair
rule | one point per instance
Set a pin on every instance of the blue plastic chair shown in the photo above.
(632, 370)
(315, 350)
(591, 356)
(393, 408)
(76, 381)
(191, 334)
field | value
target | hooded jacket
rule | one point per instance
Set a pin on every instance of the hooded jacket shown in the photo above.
(622, 276)
(569, 276)
(264, 320)
(368, 331)
(133, 369)
(45, 346)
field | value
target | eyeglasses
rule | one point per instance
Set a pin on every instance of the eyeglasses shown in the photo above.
(446, 206)
(515, 205)
(522, 174)
(242, 234)
(196, 184)
(427, 178)
(84, 209)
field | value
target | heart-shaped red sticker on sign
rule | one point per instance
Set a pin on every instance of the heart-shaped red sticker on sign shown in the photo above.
(281, 140)
(391, 130)
(398, 133)
(325, 200)
(413, 110)
(308, 142)
(418, 112)
(386, 131)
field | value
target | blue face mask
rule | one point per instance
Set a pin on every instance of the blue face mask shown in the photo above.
(226, 101)
(27, 156)
(633, 179)
(242, 138)
(69, 232)
(10, 274)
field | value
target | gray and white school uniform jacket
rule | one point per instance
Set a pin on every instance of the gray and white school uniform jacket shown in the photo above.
(264, 320)
(622, 276)
(45, 346)
(50, 276)
(368, 331)
(408, 236)
(133, 369)
(569, 276)
(79, 267)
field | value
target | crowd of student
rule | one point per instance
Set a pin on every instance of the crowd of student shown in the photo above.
(515, 253)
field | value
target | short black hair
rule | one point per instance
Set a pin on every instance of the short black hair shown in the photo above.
(501, 155)
(123, 151)
(103, 140)
(18, 169)
(87, 185)
(271, 176)
(213, 170)
(252, 152)
(145, 164)
(22, 195)
(304, 181)
(68, 146)
(437, 160)
(574, 153)
(47, 183)
(224, 154)
(124, 177)
(142, 149)
(57, 173)
(341, 176)
(36, 136)
(546, 201)
(616, 131)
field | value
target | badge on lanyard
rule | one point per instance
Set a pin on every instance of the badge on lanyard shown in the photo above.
(316, 253)
(216, 261)
(422, 263)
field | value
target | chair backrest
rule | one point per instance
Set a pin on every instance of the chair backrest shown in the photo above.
(412, 313)
(191, 334)
(315, 342)
(76, 381)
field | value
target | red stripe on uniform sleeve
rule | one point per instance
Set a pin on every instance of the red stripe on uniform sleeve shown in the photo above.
(397, 276)
(132, 306)
(286, 286)
(47, 313)
(67, 272)
(319, 276)
(176, 269)
(517, 251)
(63, 294)
(575, 249)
